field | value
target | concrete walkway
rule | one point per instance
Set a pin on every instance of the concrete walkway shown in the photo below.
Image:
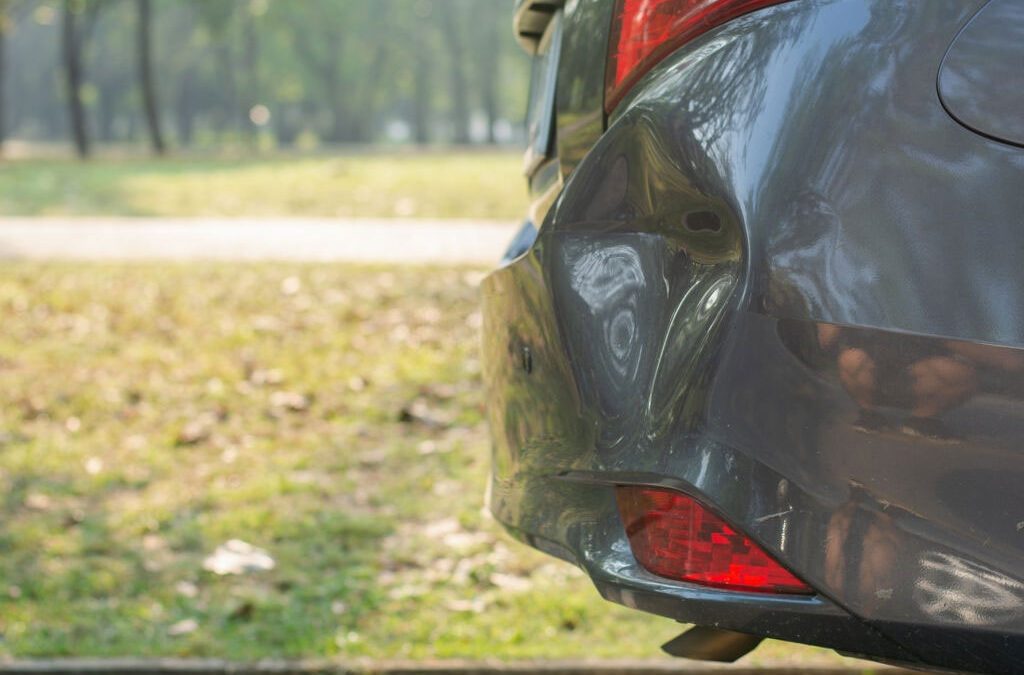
(327, 240)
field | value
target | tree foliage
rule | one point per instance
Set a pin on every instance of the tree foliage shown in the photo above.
(272, 72)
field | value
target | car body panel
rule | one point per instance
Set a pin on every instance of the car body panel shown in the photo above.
(773, 204)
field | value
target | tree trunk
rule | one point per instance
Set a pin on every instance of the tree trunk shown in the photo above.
(339, 119)
(185, 107)
(421, 102)
(336, 94)
(490, 96)
(284, 123)
(252, 70)
(109, 84)
(73, 72)
(144, 55)
(107, 110)
(460, 103)
(3, 79)
(228, 102)
(489, 66)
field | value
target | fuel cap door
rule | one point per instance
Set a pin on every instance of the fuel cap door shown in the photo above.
(981, 80)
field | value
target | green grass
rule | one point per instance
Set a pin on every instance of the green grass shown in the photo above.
(149, 413)
(486, 185)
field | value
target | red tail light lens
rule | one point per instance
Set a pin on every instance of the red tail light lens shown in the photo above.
(644, 31)
(674, 536)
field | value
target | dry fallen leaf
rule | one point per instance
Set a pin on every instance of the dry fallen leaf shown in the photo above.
(419, 411)
(271, 376)
(183, 627)
(512, 583)
(238, 557)
(243, 612)
(38, 502)
(186, 589)
(289, 400)
(476, 605)
(197, 430)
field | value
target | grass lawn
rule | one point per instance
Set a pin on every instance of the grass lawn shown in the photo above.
(331, 415)
(485, 185)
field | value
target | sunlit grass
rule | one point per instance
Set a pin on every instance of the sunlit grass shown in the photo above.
(150, 413)
(483, 185)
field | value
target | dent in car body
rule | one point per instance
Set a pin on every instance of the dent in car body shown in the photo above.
(789, 177)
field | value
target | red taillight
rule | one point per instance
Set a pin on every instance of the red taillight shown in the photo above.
(644, 31)
(674, 536)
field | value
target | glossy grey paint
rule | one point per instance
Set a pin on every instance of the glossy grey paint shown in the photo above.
(776, 201)
(580, 98)
(982, 77)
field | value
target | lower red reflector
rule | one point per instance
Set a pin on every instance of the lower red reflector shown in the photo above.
(674, 536)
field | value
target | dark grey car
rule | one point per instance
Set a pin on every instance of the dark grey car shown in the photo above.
(755, 362)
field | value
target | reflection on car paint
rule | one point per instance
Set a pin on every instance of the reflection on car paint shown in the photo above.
(863, 561)
(612, 303)
(954, 589)
(905, 383)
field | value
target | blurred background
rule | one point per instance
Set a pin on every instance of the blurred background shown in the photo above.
(272, 458)
(259, 74)
(260, 107)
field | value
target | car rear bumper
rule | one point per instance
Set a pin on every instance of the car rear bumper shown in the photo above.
(779, 208)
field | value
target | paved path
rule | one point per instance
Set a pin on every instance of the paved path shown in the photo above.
(327, 240)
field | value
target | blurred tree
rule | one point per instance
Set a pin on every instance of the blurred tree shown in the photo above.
(340, 71)
(421, 113)
(111, 74)
(78, 21)
(11, 12)
(185, 66)
(344, 46)
(6, 22)
(486, 45)
(144, 47)
(453, 15)
(217, 19)
(252, 64)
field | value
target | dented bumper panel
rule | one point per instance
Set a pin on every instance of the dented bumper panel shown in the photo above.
(786, 282)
